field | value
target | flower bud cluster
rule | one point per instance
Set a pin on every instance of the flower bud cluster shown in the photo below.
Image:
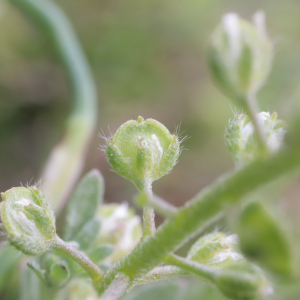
(241, 141)
(215, 249)
(120, 227)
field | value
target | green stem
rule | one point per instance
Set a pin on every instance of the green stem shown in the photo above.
(159, 205)
(65, 163)
(148, 214)
(93, 270)
(201, 271)
(252, 110)
(161, 273)
(196, 213)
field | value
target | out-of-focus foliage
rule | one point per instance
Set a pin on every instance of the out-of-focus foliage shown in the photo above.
(148, 58)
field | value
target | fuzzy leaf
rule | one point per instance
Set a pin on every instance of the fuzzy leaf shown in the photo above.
(100, 253)
(83, 203)
(88, 233)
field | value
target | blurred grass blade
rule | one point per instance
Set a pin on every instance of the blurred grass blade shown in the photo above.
(66, 161)
(84, 202)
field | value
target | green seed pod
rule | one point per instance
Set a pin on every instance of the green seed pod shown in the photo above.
(143, 151)
(241, 141)
(120, 227)
(262, 239)
(243, 281)
(28, 220)
(240, 56)
(215, 249)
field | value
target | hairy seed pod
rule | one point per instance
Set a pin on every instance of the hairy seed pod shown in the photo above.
(28, 220)
(142, 151)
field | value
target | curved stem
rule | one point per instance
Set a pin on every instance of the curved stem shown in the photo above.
(201, 271)
(93, 270)
(66, 160)
(198, 212)
(161, 273)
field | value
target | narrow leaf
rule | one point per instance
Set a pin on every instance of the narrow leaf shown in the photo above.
(34, 265)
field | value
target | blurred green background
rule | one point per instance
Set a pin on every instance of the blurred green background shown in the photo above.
(148, 58)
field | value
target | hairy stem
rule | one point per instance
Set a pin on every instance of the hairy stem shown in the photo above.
(162, 272)
(159, 205)
(148, 214)
(201, 271)
(196, 213)
(65, 162)
(93, 270)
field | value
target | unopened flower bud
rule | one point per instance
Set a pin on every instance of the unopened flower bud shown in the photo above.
(241, 141)
(263, 238)
(28, 220)
(215, 249)
(120, 227)
(240, 55)
(243, 281)
(78, 289)
(142, 151)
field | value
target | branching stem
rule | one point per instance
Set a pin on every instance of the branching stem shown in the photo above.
(159, 205)
(201, 271)
(177, 230)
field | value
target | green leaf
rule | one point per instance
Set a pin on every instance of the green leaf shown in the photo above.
(263, 239)
(34, 265)
(84, 202)
(9, 259)
(52, 269)
(100, 253)
(177, 289)
(59, 274)
(88, 233)
(158, 290)
(29, 285)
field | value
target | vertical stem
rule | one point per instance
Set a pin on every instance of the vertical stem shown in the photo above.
(117, 288)
(93, 270)
(253, 110)
(148, 214)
